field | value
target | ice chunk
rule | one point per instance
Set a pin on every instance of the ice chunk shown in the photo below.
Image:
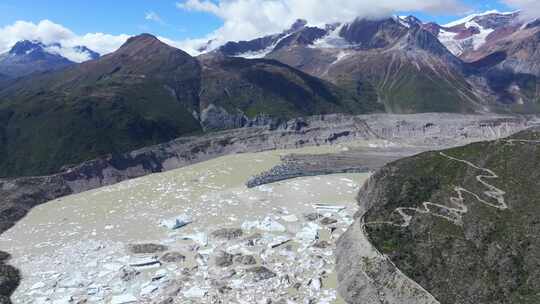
(321, 208)
(309, 233)
(123, 299)
(278, 241)
(315, 284)
(177, 222)
(64, 300)
(200, 238)
(267, 224)
(148, 289)
(145, 261)
(112, 266)
(158, 275)
(290, 218)
(194, 292)
(41, 300)
(38, 285)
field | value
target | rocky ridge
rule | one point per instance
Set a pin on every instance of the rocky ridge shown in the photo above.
(484, 62)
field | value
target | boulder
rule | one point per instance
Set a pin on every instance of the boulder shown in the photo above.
(223, 259)
(172, 257)
(261, 273)
(146, 248)
(328, 221)
(322, 244)
(245, 260)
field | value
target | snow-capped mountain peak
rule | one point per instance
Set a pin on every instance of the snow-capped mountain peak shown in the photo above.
(476, 15)
(26, 47)
(38, 49)
(29, 56)
(472, 32)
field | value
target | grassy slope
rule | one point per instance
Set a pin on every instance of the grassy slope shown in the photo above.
(494, 257)
(119, 103)
(404, 87)
(270, 87)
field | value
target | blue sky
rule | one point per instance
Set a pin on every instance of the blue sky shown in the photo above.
(111, 16)
(128, 17)
(473, 5)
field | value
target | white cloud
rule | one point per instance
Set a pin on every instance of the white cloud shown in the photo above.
(530, 8)
(246, 19)
(153, 16)
(49, 32)
(190, 46)
(69, 53)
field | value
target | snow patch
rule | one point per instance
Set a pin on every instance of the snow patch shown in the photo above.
(261, 53)
(332, 40)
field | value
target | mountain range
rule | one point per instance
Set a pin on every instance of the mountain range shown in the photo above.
(27, 57)
(145, 93)
(482, 63)
(54, 112)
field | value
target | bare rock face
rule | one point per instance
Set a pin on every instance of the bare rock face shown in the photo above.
(217, 118)
(260, 45)
(373, 34)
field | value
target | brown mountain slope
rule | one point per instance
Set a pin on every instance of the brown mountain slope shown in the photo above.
(145, 93)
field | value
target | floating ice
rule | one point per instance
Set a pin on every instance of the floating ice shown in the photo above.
(38, 285)
(194, 292)
(145, 261)
(148, 289)
(315, 284)
(321, 208)
(278, 241)
(123, 299)
(289, 218)
(200, 238)
(267, 224)
(177, 222)
(309, 233)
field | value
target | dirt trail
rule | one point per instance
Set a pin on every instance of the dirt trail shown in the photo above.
(454, 214)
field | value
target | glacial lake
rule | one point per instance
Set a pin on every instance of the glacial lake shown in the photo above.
(75, 247)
